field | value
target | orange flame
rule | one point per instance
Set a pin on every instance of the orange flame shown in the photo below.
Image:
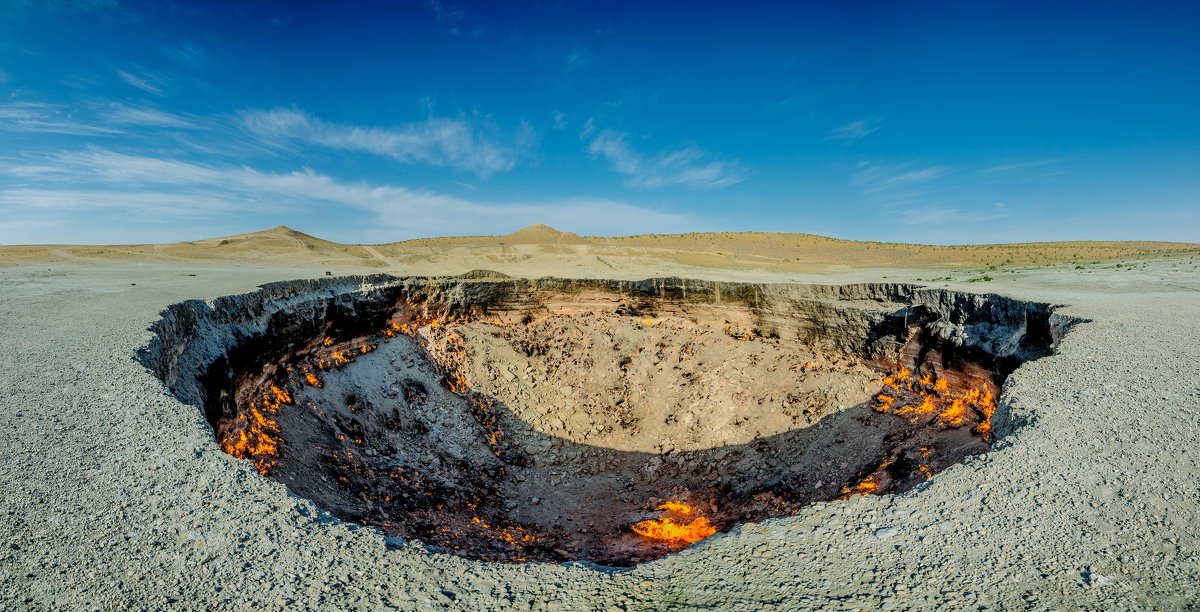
(953, 407)
(312, 379)
(671, 529)
(257, 439)
(865, 486)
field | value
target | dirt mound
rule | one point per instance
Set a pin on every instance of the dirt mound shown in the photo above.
(542, 234)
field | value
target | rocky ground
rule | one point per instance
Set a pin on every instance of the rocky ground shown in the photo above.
(116, 494)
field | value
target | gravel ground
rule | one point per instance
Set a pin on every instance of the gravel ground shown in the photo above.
(116, 494)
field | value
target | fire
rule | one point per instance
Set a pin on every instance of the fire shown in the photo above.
(923, 467)
(257, 437)
(866, 486)
(312, 379)
(870, 484)
(928, 396)
(987, 406)
(671, 529)
(513, 535)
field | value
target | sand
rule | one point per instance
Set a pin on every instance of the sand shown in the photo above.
(543, 251)
(117, 495)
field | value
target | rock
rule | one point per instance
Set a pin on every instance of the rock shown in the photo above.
(1094, 579)
(884, 533)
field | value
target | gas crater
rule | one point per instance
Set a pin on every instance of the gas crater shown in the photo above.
(606, 421)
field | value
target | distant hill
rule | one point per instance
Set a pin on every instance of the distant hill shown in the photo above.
(543, 234)
(537, 249)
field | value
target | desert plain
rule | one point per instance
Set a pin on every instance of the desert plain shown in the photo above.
(117, 495)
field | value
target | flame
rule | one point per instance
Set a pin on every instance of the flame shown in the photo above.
(987, 406)
(925, 452)
(257, 437)
(276, 398)
(512, 536)
(866, 486)
(671, 529)
(312, 379)
(955, 414)
(885, 402)
(934, 396)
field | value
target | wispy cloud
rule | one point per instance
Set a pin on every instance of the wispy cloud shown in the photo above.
(79, 81)
(445, 12)
(876, 178)
(689, 166)
(187, 54)
(901, 186)
(1023, 165)
(146, 116)
(452, 17)
(941, 215)
(146, 81)
(100, 179)
(49, 119)
(577, 58)
(453, 143)
(855, 130)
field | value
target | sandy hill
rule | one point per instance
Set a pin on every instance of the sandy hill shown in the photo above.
(280, 237)
(543, 234)
(540, 249)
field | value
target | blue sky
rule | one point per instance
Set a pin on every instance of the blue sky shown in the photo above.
(935, 122)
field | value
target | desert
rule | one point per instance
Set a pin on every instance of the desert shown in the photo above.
(120, 494)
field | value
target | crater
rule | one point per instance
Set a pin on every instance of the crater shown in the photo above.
(605, 421)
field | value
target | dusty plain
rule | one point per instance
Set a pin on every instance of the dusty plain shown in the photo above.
(117, 496)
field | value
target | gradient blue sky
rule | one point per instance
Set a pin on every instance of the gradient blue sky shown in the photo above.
(938, 122)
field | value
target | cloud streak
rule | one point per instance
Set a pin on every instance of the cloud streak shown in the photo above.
(48, 119)
(147, 117)
(440, 142)
(854, 131)
(936, 214)
(689, 166)
(115, 183)
(878, 179)
(1025, 165)
(149, 83)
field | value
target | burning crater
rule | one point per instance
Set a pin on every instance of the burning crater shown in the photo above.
(607, 421)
